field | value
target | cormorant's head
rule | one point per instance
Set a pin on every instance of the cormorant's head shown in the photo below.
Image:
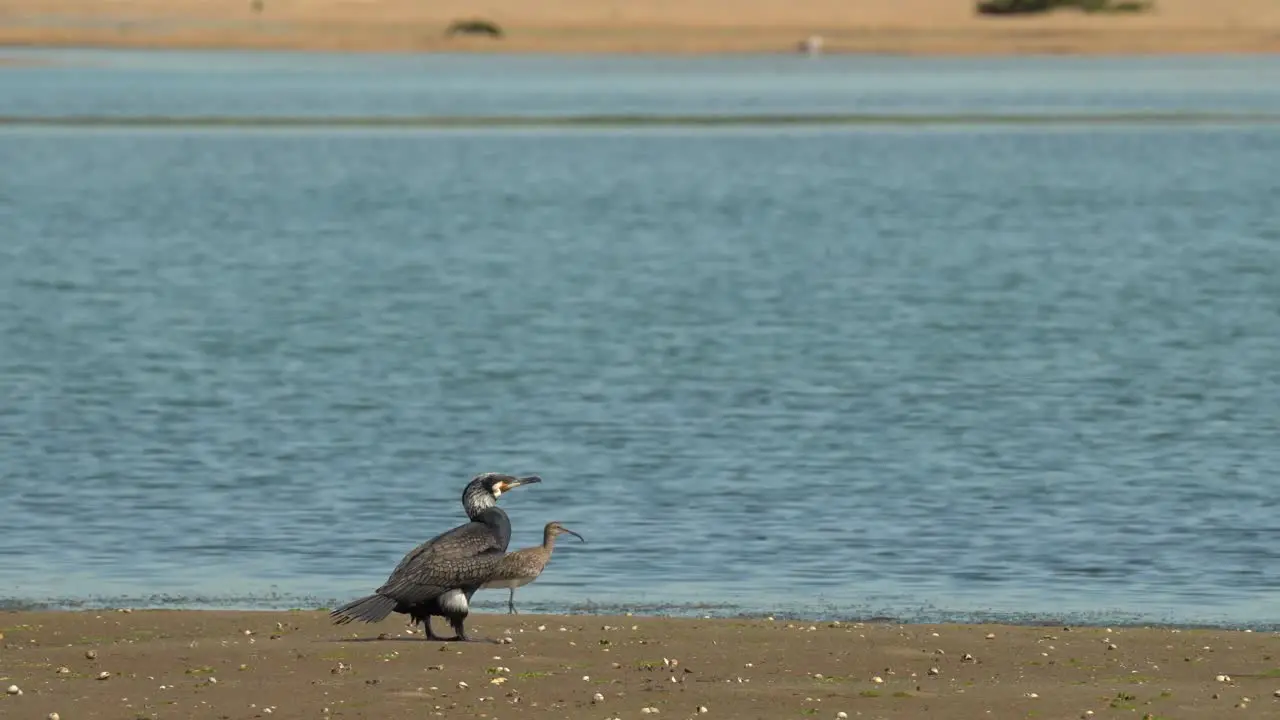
(555, 528)
(484, 490)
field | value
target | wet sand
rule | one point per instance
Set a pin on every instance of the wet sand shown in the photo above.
(913, 27)
(193, 664)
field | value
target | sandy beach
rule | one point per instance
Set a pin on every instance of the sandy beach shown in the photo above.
(195, 664)
(913, 27)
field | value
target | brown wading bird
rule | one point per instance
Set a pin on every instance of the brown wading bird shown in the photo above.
(439, 576)
(522, 567)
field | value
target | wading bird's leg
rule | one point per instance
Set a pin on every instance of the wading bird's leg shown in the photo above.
(511, 603)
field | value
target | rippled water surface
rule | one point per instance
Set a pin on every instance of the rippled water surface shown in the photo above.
(920, 372)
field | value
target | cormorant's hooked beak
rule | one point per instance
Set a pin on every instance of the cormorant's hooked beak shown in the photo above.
(517, 482)
(565, 529)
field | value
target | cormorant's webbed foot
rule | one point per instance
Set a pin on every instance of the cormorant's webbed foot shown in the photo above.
(462, 635)
(426, 623)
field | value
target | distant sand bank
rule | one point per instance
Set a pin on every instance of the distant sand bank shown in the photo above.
(913, 27)
(151, 664)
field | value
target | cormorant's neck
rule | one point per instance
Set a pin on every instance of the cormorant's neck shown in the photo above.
(477, 502)
(496, 518)
(490, 515)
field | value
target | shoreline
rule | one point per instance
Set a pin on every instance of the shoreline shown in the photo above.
(1079, 620)
(287, 664)
(677, 611)
(514, 51)
(1085, 46)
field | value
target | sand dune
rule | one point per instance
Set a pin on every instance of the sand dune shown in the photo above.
(665, 26)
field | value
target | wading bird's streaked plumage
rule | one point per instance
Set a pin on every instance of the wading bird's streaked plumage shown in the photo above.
(523, 566)
(439, 576)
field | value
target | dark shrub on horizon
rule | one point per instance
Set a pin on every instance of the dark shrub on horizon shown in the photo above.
(1031, 7)
(474, 27)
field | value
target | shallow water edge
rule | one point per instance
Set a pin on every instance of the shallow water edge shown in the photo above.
(710, 610)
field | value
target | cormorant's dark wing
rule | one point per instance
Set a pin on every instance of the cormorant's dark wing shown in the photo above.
(464, 556)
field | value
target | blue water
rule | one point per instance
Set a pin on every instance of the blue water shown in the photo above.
(272, 84)
(930, 373)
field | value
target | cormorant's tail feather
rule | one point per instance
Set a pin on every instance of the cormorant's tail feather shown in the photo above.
(370, 609)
